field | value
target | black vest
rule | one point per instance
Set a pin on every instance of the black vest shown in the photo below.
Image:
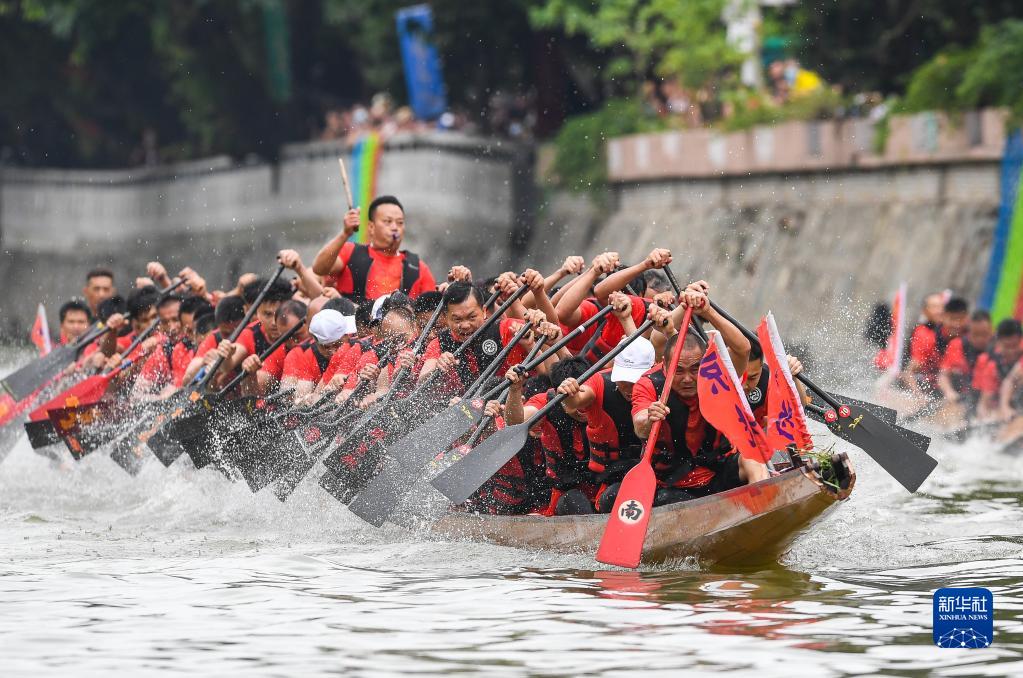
(360, 262)
(566, 467)
(619, 409)
(758, 396)
(477, 356)
(709, 454)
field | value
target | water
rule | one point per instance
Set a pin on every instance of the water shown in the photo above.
(179, 571)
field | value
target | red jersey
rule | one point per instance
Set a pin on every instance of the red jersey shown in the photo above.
(477, 357)
(167, 365)
(612, 331)
(305, 362)
(991, 369)
(685, 412)
(345, 360)
(927, 345)
(383, 275)
(609, 425)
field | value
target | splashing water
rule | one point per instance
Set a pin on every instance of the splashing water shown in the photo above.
(179, 570)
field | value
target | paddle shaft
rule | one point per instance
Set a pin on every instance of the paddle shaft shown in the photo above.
(498, 360)
(262, 356)
(669, 377)
(344, 182)
(204, 382)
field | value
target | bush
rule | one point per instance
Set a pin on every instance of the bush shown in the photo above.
(580, 163)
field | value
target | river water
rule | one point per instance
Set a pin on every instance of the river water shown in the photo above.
(180, 572)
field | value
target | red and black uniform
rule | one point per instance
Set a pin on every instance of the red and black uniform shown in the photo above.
(518, 487)
(566, 452)
(168, 363)
(614, 446)
(211, 341)
(757, 397)
(959, 362)
(991, 370)
(370, 273)
(927, 346)
(690, 453)
(609, 330)
(480, 354)
(305, 362)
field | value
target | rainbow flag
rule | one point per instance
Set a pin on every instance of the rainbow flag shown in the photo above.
(1003, 285)
(366, 166)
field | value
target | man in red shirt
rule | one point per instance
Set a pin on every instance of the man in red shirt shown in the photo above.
(305, 365)
(929, 341)
(74, 320)
(691, 459)
(99, 286)
(269, 372)
(363, 272)
(995, 366)
(955, 376)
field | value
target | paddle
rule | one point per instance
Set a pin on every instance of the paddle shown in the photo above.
(380, 497)
(41, 428)
(25, 381)
(194, 432)
(903, 460)
(463, 478)
(293, 459)
(622, 543)
(417, 448)
(382, 409)
(129, 449)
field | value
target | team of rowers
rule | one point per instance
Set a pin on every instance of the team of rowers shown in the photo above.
(359, 308)
(960, 361)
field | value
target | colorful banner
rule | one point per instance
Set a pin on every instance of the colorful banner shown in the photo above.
(897, 340)
(426, 92)
(786, 419)
(41, 332)
(366, 166)
(1003, 285)
(723, 402)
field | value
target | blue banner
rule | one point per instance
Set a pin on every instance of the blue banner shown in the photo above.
(426, 92)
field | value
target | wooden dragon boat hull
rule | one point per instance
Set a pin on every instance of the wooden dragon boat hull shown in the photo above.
(745, 525)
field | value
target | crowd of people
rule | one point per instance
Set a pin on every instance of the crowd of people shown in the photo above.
(357, 310)
(955, 357)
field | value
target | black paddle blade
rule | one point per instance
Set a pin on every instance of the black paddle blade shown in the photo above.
(41, 433)
(165, 447)
(903, 460)
(918, 439)
(129, 454)
(299, 468)
(336, 487)
(458, 482)
(377, 501)
(885, 414)
(436, 434)
(25, 381)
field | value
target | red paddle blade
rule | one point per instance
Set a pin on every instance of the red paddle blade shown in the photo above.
(625, 533)
(85, 392)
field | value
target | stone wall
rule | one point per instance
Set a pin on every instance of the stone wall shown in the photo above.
(463, 198)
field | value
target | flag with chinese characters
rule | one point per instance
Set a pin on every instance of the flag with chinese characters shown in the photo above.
(786, 419)
(723, 402)
(41, 332)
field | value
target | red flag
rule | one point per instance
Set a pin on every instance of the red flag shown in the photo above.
(786, 419)
(723, 402)
(41, 332)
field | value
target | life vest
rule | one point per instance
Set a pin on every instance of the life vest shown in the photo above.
(607, 460)
(566, 460)
(710, 453)
(360, 262)
(259, 339)
(477, 356)
(517, 487)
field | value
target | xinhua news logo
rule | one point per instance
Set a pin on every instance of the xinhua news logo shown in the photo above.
(964, 618)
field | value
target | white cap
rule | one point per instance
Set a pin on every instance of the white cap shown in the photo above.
(633, 362)
(329, 326)
(378, 307)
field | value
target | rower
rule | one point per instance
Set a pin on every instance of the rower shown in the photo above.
(269, 372)
(258, 336)
(929, 341)
(99, 286)
(228, 313)
(74, 320)
(994, 367)
(691, 459)
(757, 379)
(305, 365)
(955, 376)
(363, 272)
(164, 371)
(605, 403)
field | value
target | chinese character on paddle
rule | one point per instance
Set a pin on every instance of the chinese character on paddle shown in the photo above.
(784, 423)
(746, 426)
(711, 369)
(631, 510)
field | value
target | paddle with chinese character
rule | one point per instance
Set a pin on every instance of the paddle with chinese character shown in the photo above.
(622, 543)
(903, 460)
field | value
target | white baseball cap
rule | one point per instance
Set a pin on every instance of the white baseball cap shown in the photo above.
(633, 362)
(329, 326)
